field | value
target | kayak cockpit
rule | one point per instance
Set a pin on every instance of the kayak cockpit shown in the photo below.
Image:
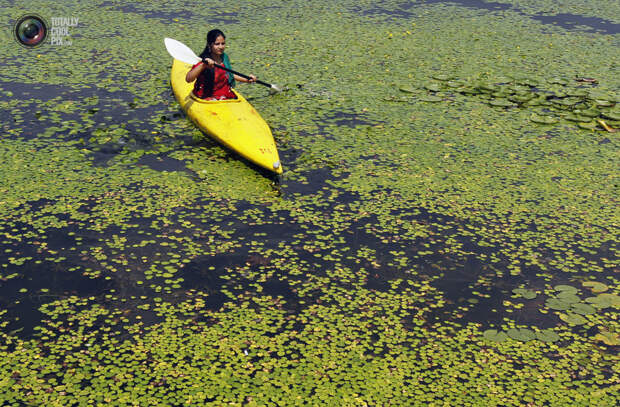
(197, 99)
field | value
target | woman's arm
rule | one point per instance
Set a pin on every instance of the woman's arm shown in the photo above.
(193, 73)
(242, 79)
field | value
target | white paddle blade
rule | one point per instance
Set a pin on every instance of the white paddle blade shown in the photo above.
(180, 51)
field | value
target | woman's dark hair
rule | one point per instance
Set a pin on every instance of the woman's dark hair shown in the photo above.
(211, 37)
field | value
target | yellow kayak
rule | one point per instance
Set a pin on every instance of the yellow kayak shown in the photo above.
(232, 122)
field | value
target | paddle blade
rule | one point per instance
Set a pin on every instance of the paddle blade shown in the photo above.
(180, 51)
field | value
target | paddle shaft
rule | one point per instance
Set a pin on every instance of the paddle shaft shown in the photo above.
(243, 76)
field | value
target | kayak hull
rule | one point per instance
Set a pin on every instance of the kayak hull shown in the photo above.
(234, 123)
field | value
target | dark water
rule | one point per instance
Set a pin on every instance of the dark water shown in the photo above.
(577, 22)
(571, 22)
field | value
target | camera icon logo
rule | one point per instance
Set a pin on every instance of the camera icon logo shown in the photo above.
(30, 30)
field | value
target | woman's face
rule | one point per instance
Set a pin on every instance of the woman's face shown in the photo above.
(217, 48)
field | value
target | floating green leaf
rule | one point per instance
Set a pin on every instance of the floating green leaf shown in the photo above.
(501, 94)
(576, 118)
(573, 319)
(608, 338)
(547, 336)
(577, 92)
(558, 81)
(595, 286)
(566, 289)
(433, 87)
(558, 304)
(568, 102)
(469, 90)
(599, 302)
(495, 336)
(525, 293)
(430, 98)
(487, 87)
(587, 113)
(611, 115)
(588, 126)
(407, 89)
(603, 103)
(543, 119)
(441, 77)
(521, 334)
(501, 103)
(612, 299)
(520, 98)
(568, 296)
(583, 309)
(599, 94)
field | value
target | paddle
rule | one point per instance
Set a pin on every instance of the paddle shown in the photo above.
(183, 53)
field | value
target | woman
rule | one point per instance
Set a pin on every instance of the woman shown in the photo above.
(214, 83)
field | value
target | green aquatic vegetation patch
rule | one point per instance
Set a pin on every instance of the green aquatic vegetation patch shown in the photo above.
(321, 351)
(555, 95)
(567, 306)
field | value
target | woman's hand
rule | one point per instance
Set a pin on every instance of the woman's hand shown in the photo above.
(251, 79)
(208, 62)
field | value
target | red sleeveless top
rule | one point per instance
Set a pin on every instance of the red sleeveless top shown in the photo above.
(221, 87)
